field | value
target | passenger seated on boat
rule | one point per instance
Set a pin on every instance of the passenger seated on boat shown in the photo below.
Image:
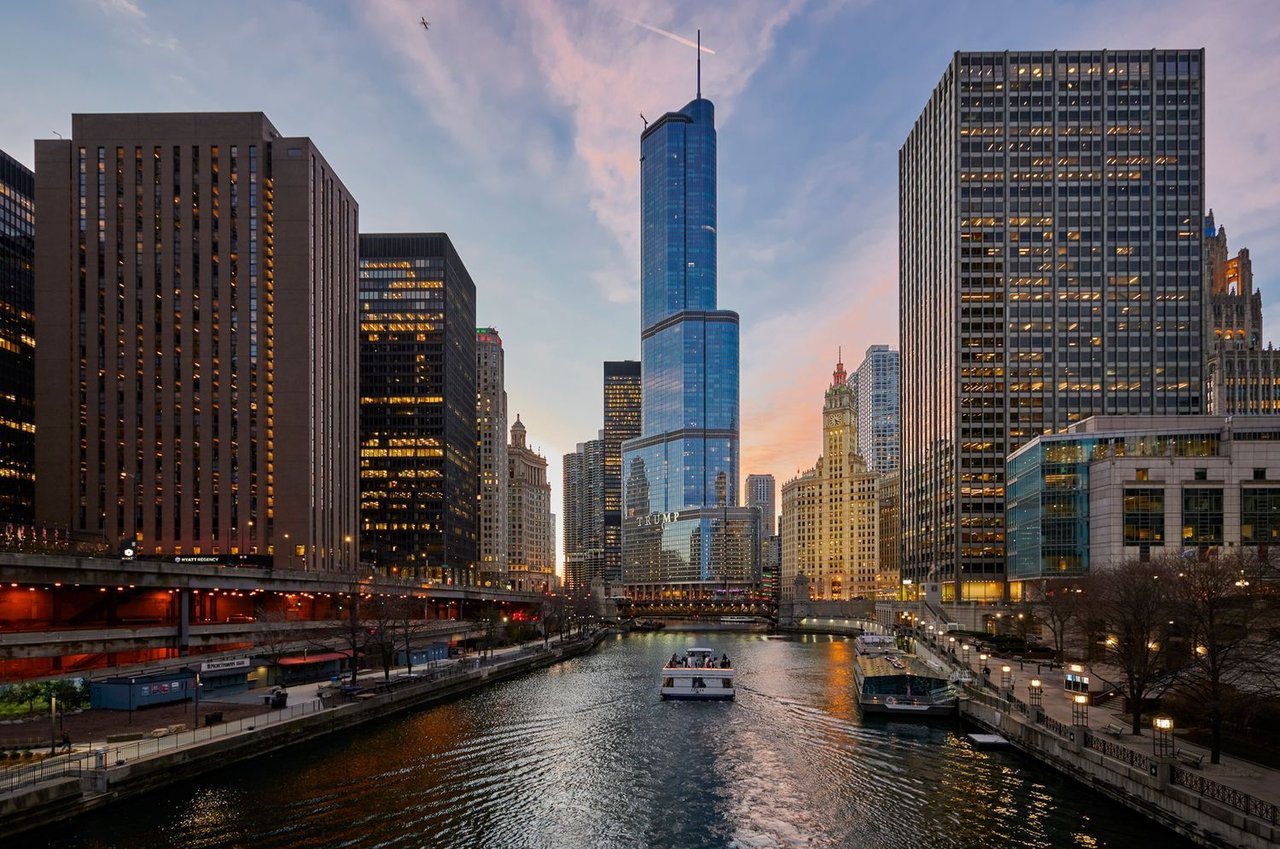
(724, 662)
(673, 661)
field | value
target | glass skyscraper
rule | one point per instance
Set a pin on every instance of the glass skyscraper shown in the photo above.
(683, 468)
(17, 341)
(419, 455)
(1050, 260)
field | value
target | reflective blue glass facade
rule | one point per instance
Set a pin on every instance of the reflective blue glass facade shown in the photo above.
(686, 456)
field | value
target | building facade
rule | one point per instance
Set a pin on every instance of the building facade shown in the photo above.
(832, 539)
(1241, 376)
(530, 528)
(1050, 270)
(491, 436)
(877, 398)
(889, 496)
(419, 461)
(18, 345)
(197, 365)
(584, 515)
(762, 493)
(622, 390)
(1117, 488)
(798, 530)
(681, 526)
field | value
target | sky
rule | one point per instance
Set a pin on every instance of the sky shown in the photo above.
(514, 125)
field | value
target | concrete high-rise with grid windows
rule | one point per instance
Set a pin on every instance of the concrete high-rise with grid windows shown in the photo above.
(876, 397)
(196, 374)
(1050, 270)
(491, 439)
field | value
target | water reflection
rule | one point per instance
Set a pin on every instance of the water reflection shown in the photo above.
(586, 754)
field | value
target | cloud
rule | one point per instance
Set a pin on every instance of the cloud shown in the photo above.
(122, 7)
(569, 83)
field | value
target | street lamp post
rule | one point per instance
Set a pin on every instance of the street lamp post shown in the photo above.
(965, 649)
(1035, 691)
(1080, 709)
(53, 724)
(1006, 677)
(1162, 738)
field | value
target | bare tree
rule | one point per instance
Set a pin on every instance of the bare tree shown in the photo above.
(1058, 610)
(273, 638)
(1135, 602)
(380, 625)
(1225, 623)
(406, 625)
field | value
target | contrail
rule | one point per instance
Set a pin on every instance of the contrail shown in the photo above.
(671, 35)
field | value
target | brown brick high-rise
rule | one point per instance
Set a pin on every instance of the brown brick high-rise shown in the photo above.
(196, 325)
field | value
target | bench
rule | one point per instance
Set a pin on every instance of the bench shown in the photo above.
(1191, 759)
(1115, 729)
(213, 718)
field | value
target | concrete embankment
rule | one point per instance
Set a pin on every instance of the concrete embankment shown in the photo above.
(92, 785)
(1169, 792)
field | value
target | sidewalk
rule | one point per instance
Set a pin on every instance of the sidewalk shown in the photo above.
(1254, 779)
(303, 699)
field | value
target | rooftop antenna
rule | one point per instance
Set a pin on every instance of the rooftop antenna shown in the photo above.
(699, 64)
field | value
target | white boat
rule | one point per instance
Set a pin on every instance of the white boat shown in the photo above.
(699, 674)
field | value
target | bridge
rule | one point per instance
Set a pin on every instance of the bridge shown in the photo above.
(64, 612)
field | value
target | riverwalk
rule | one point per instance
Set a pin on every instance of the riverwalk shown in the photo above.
(1233, 803)
(101, 771)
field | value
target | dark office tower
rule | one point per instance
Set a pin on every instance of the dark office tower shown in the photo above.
(419, 462)
(621, 422)
(584, 515)
(17, 342)
(1050, 261)
(686, 457)
(196, 318)
(491, 437)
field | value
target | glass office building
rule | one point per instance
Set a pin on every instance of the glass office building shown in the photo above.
(1119, 488)
(18, 348)
(1050, 234)
(622, 394)
(419, 457)
(684, 464)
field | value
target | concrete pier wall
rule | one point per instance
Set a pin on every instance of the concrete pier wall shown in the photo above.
(1148, 790)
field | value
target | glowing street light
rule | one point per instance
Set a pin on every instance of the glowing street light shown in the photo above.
(1035, 691)
(1162, 738)
(1080, 709)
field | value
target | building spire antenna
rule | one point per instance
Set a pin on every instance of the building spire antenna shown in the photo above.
(699, 64)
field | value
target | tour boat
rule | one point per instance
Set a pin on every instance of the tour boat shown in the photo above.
(699, 674)
(903, 685)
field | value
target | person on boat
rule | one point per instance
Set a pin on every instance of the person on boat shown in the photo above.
(724, 662)
(673, 661)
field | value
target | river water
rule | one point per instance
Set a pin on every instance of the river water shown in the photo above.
(586, 755)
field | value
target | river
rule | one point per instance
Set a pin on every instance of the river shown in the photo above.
(586, 755)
